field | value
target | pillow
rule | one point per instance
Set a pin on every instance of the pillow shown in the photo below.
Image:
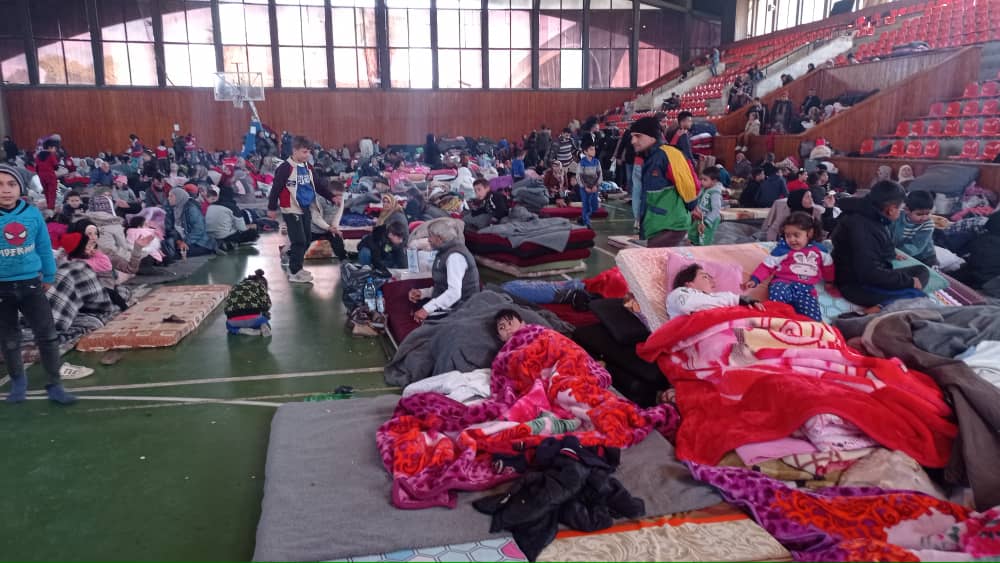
(728, 277)
(622, 324)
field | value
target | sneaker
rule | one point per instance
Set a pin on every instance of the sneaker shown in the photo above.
(57, 394)
(70, 371)
(284, 256)
(300, 277)
(306, 273)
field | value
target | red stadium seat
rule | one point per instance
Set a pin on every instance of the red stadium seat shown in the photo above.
(991, 127)
(970, 108)
(937, 109)
(970, 128)
(931, 150)
(914, 149)
(953, 128)
(935, 129)
(970, 151)
(990, 89)
(867, 146)
(903, 129)
(898, 149)
(953, 109)
(971, 91)
(991, 151)
(991, 107)
(917, 128)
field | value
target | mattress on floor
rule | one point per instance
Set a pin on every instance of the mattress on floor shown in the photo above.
(398, 309)
(550, 258)
(327, 494)
(571, 212)
(744, 214)
(539, 271)
(488, 243)
(142, 325)
(718, 533)
(645, 271)
(567, 313)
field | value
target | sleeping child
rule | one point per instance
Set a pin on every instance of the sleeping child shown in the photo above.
(797, 263)
(248, 307)
(694, 290)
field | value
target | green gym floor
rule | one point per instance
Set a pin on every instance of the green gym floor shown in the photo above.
(163, 457)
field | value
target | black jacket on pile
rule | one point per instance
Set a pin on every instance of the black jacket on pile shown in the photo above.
(567, 483)
(863, 250)
(983, 263)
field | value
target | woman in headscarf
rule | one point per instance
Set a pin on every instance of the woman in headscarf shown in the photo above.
(393, 212)
(185, 226)
(884, 173)
(800, 200)
(906, 175)
(556, 183)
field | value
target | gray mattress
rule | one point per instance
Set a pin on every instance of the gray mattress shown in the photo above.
(327, 495)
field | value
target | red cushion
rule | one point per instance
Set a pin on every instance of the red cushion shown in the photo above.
(398, 309)
(354, 233)
(571, 212)
(578, 254)
(567, 313)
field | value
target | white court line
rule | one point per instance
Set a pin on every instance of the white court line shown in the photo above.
(184, 400)
(603, 251)
(209, 381)
(566, 277)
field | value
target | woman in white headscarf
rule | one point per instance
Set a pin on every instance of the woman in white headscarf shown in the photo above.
(185, 226)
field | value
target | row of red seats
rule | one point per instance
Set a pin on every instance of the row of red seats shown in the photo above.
(950, 128)
(932, 150)
(967, 109)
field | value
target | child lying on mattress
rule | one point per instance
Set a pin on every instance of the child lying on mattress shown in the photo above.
(694, 290)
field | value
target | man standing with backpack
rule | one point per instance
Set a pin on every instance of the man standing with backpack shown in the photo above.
(669, 188)
(294, 190)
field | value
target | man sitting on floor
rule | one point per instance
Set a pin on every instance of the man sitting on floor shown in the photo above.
(455, 275)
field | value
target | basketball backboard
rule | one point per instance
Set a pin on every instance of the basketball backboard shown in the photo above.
(238, 87)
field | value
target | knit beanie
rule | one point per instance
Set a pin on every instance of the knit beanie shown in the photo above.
(886, 192)
(12, 171)
(647, 126)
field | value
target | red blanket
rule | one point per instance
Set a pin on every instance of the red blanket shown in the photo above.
(745, 376)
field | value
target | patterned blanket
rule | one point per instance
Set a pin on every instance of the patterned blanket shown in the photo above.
(744, 376)
(858, 523)
(542, 384)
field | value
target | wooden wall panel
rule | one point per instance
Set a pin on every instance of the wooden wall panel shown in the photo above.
(99, 119)
(910, 95)
(862, 170)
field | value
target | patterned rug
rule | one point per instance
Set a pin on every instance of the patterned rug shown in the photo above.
(143, 326)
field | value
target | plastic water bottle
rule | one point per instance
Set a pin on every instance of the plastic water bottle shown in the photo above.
(412, 260)
(380, 303)
(370, 295)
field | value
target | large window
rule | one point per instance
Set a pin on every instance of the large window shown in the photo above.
(355, 54)
(62, 38)
(560, 44)
(188, 47)
(127, 30)
(302, 48)
(410, 59)
(246, 37)
(460, 41)
(661, 40)
(13, 62)
(509, 43)
(609, 35)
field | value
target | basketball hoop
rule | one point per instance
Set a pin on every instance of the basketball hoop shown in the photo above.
(239, 87)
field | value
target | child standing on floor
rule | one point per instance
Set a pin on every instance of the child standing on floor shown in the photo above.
(590, 174)
(27, 268)
(708, 213)
(797, 263)
(248, 307)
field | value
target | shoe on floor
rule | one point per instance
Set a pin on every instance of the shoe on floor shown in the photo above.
(300, 277)
(18, 389)
(70, 371)
(306, 273)
(57, 394)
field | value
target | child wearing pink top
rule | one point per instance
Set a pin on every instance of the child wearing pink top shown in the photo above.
(797, 263)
